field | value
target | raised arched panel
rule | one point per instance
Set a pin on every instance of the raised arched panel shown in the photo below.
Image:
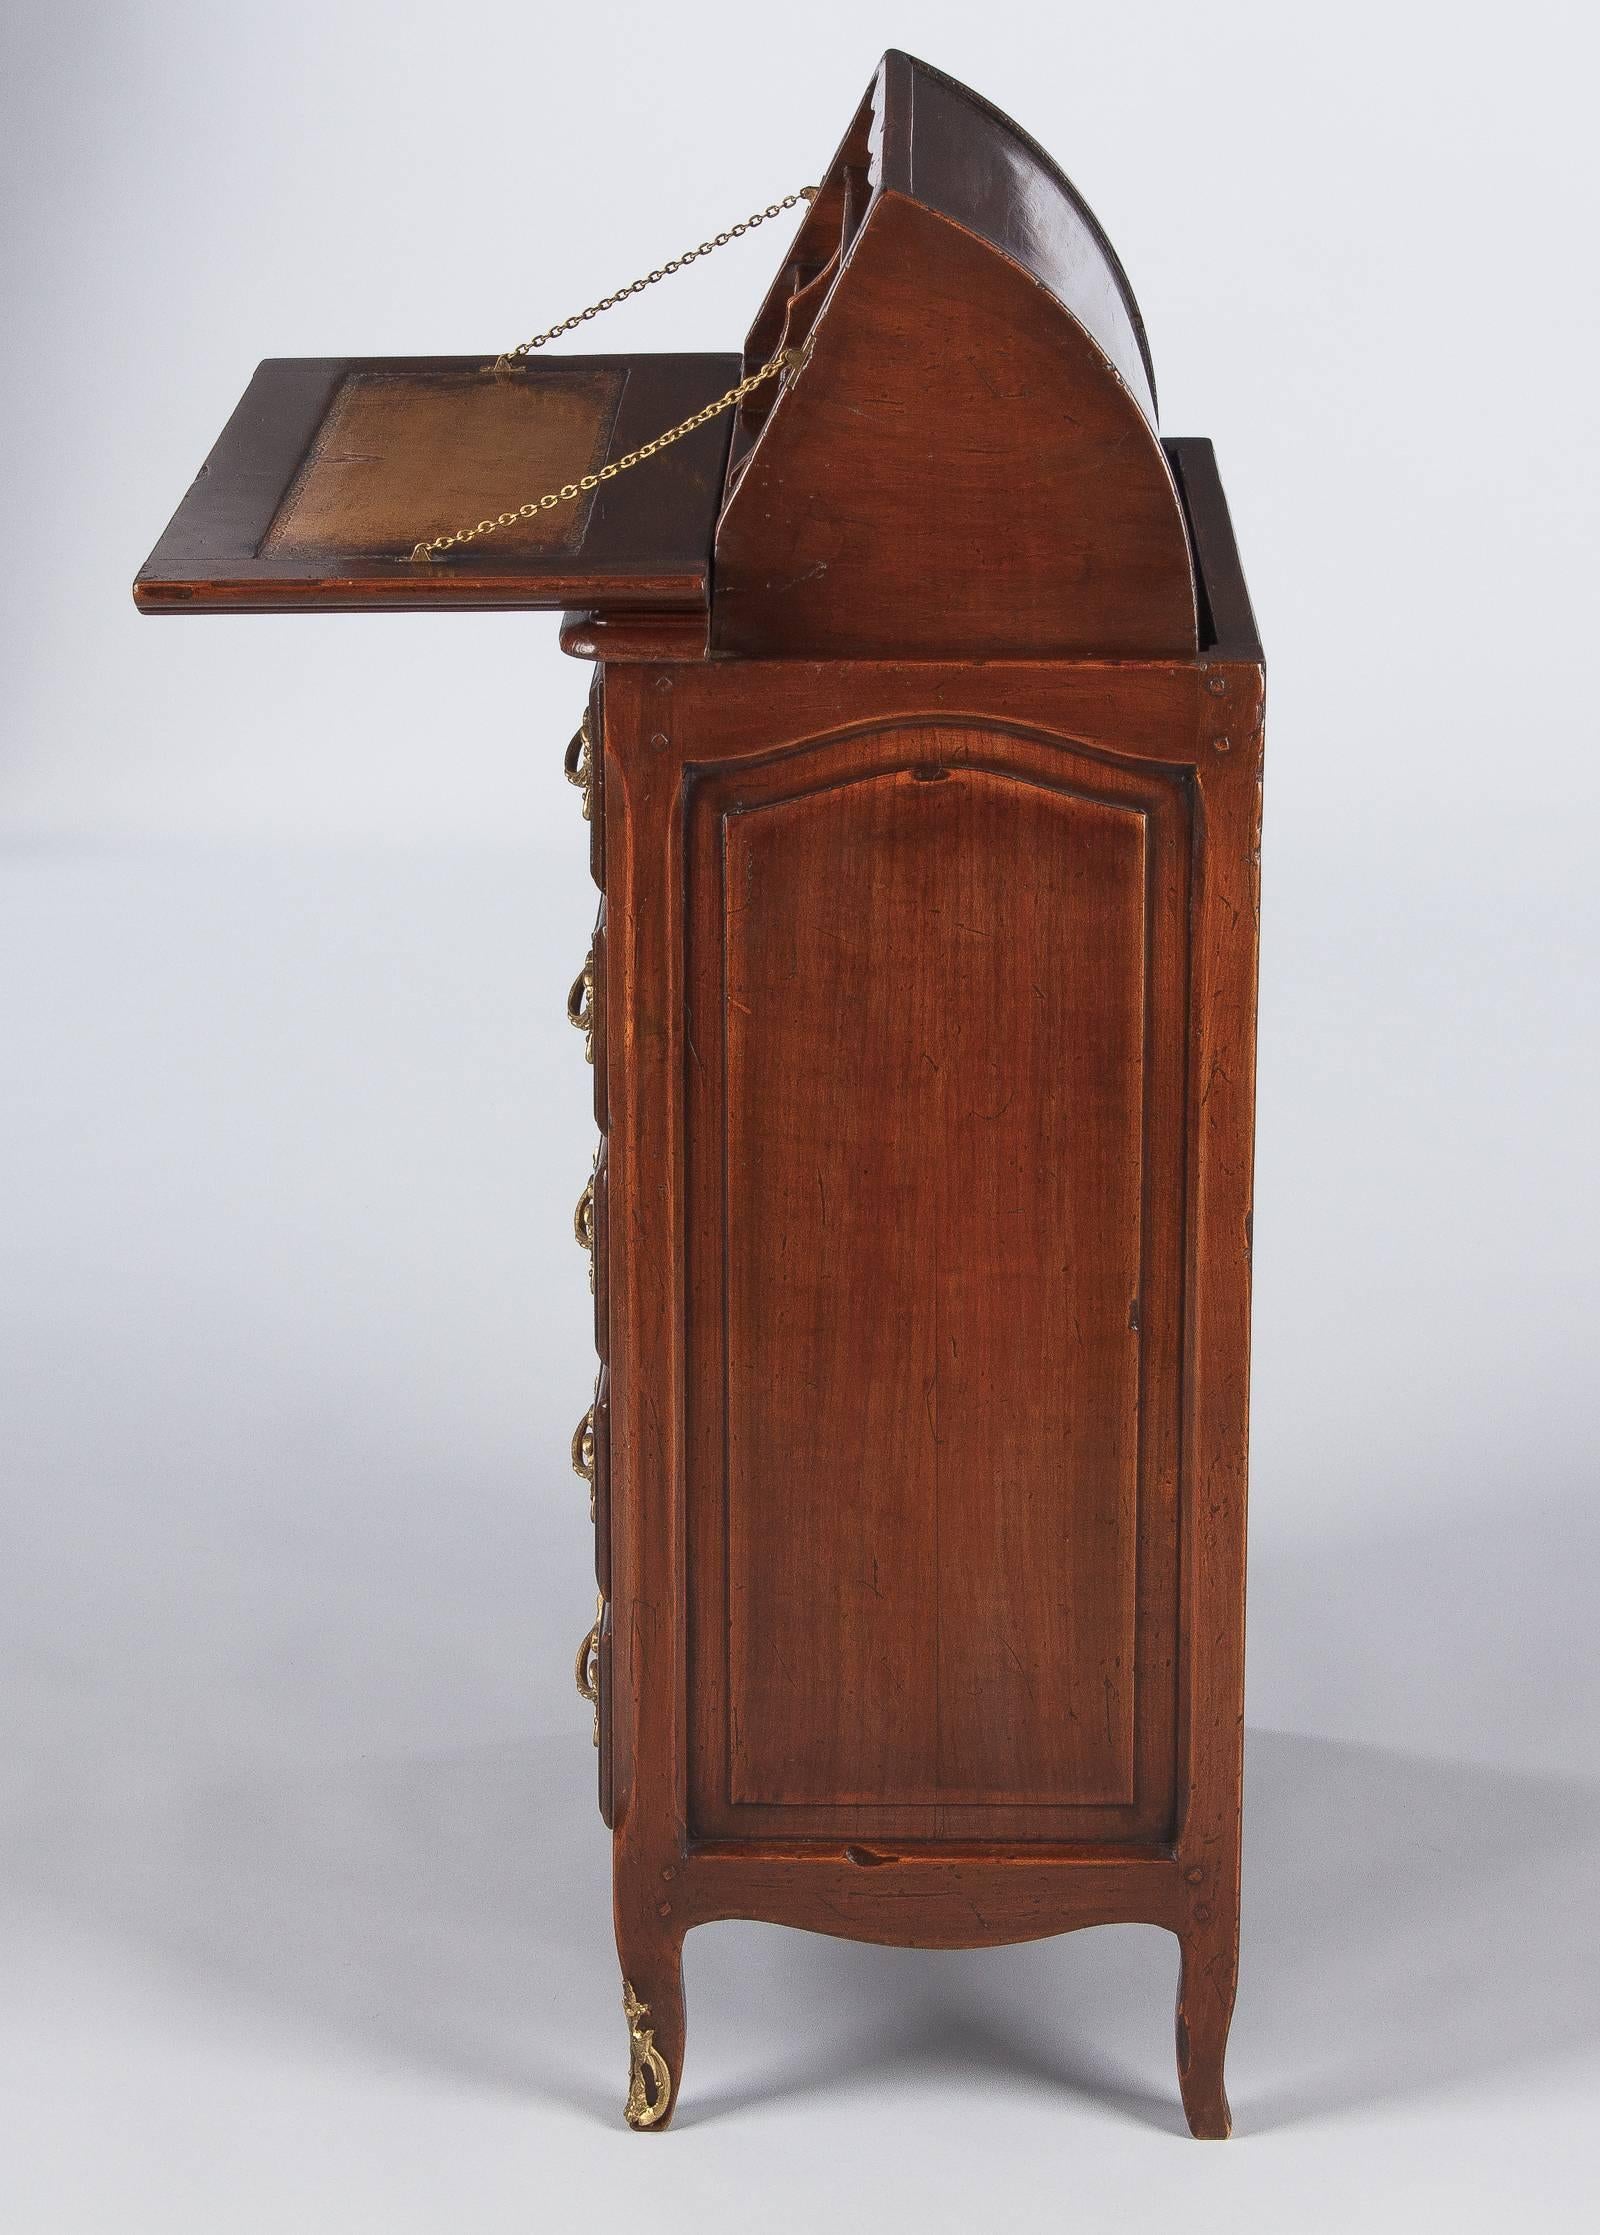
(927, 1206)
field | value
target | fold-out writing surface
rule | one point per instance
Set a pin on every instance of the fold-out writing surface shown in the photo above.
(332, 469)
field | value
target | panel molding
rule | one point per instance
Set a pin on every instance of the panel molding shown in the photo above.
(720, 797)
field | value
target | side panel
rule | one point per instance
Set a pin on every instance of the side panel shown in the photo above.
(935, 997)
(1057, 528)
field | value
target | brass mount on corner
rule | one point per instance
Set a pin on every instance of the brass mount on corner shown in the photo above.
(649, 2081)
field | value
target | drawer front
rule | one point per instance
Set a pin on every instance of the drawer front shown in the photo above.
(584, 770)
(591, 1437)
(595, 803)
(600, 1497)
(599, 1258)
(586, 1012)
(597, 1009)
(604, 1719)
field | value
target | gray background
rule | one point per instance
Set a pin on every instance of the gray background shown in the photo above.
(303, 1903)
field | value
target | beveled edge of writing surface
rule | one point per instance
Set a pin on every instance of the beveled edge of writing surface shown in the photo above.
(647, 545)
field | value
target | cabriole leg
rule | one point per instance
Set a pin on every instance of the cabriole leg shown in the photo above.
(1206, 1981)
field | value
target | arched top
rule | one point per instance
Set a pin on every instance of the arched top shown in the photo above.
(922, 133)
(1000, 184)
(871, 746)
(964, 456)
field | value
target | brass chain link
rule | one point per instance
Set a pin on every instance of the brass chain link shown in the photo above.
(507, 363)
(681, 263)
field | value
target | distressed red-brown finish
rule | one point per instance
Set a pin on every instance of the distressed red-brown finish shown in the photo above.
(822, 1716)
(964, 457)
(924, 795)
(642, 541)
(919, 1088)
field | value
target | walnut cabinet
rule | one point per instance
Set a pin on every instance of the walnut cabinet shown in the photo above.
(922, 770)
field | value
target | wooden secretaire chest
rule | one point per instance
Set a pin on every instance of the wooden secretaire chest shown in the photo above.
(922, 767)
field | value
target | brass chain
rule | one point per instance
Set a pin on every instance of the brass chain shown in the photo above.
(507, 363)
(571, 489)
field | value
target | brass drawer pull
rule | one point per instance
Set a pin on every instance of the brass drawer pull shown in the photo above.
(580, 1005)
(583, 1455)
(583, 1225)
(577, 766)
(586, 1669)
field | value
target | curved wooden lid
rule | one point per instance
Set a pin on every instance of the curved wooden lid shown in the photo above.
(966, 460)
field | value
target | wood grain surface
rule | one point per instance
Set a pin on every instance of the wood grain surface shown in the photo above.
(332, 468)
(930, 1015)
(924, 797)
(921, 1121)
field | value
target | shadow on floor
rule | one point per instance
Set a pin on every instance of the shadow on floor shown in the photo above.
(1411, 1925)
